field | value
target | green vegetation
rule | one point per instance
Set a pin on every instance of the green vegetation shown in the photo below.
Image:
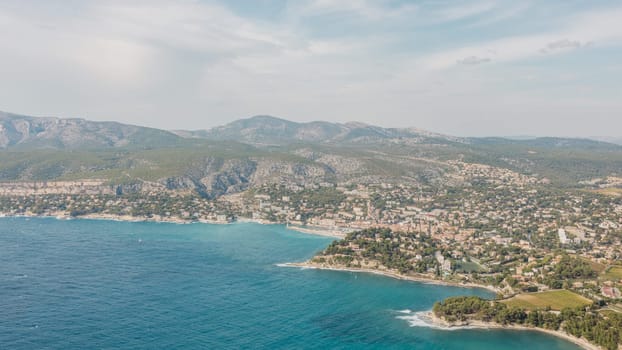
(613, 273)
(467, 267)
(383, 246)
(181, 207)
(554, 300)
(127, 164)
(583, 322)
(563, 161)
(611, 191)
(597, 267)
(568, 269)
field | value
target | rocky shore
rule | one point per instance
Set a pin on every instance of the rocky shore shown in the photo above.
(441, 323)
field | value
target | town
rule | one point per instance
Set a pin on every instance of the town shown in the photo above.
(482, 225)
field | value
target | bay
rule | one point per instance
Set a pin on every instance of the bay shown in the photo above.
(80, 284)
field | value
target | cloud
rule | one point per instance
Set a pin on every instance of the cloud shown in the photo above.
(454, 13)
(207, 62)
(563, 44)
(600, 27)
(474, 60)
(187, 25)
(501, 14)
(363, 9)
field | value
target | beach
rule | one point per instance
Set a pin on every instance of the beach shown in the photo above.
(391, 274)
(336, 233)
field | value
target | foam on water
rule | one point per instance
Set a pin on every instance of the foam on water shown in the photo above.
(418, 319)
(422, 319)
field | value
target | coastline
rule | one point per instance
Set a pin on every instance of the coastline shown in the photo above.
(112, 217)
(317, 231)
(422, 279)
(474, 324)
(442, 324)
(435, 322)
(337, 233)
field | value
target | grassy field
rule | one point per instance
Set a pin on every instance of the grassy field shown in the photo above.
(468, 267)
(613, 273)
(617, 308)
(556, 299)
(597, 267)
(607, 312)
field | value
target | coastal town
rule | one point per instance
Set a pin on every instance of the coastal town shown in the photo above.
(482, 226)
(311, 174)
(478, 225)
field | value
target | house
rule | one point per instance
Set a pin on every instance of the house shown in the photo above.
(610, 292)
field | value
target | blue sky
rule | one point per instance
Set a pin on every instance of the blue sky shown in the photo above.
(468, 68)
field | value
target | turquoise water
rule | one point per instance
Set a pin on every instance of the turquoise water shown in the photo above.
(101, 285)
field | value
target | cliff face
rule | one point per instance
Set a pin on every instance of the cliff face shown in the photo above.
(211, 178)
(219, 177)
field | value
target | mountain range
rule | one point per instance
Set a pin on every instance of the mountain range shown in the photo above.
(18, 131)
(26, 132)
(253, 151)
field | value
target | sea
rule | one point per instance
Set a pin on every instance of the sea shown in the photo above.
(95, 284)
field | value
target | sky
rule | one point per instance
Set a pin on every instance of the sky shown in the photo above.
(465, 68)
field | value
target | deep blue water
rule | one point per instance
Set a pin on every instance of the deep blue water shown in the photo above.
(86, 284)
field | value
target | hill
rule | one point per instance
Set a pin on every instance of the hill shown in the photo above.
(24, 132)
(268, 130)
(250, 152)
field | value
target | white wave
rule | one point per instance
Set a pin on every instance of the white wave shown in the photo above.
(423, 319)
(296, 266)
(405, 311)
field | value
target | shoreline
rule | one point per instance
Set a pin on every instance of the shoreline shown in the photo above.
(118, 218)
(442, 324)
(317, 231)
(390, 274)
(476, 324)
(337, 233)
(434, 321)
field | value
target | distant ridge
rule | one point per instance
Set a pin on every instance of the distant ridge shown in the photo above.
(267, 130)
(25, 132)
(616, 140)
(253, 151)
(548, 142)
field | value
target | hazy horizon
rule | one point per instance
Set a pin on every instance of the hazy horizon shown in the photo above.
(605, 138)
(463, 68)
